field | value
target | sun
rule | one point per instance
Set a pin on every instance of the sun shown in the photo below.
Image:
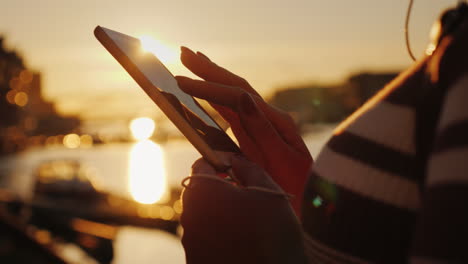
(164, 53)
(142, 128)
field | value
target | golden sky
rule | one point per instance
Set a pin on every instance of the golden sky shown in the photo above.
(271, 43)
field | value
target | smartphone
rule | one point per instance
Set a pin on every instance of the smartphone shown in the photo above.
(161, 86)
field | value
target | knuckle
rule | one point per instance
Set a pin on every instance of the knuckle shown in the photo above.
(258, 98)
(258, 126)
(245, 84)
(239, 81)
(243, 81)
(239, 92)
(263, 125)
(287, 117)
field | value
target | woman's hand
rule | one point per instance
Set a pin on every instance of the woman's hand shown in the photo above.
(266, 135)
(224, 223)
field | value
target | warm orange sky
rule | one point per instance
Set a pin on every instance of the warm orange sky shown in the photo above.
(271, 43)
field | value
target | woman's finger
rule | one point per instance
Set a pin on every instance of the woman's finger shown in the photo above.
(260, 129)
(229, 96)
(285, 126)
(201, 66)
(202, 166)
(212, 92)
(225, 100)
(203, 55)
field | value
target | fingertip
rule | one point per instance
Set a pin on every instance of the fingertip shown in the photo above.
(182, 81)
(199, 53)
(184, 49)
(202, 166)
(187, 56)
(182, 78)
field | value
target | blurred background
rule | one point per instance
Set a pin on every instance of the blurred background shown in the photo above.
(90, 169)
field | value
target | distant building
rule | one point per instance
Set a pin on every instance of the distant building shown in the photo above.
(40, 116)
(325, 104)
(36, 105)
(10, 65)
(24, 112)
(368, 84)
(314, 104)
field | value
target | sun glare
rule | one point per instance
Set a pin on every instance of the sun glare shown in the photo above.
(142, 128)
(164, 53)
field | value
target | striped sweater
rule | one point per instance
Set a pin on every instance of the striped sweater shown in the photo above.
(373, 196)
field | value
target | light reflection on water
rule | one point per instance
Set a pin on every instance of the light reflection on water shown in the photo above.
(147, 180)
(167, 164)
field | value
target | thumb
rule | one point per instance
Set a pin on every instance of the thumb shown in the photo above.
(202, 166)
(250, 174)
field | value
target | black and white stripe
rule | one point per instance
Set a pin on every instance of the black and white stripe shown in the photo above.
(370, 200)
(368, 181)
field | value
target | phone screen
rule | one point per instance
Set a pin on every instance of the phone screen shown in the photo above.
(164, 81)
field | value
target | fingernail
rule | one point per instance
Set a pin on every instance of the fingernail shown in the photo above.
(180, 79)
(203, 55)
(247, 104)
(185, 49)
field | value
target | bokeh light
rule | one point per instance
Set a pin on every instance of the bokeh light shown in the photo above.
(71, 141)
(178, 206)
(167, 213)
(10, 96)
(25, 76)
(21, 99)
(86, 141)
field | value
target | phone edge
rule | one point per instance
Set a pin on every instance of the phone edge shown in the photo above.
(202, 147)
